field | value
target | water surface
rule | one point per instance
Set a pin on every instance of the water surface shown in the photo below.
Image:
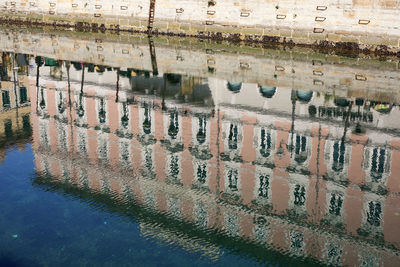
(115, 164)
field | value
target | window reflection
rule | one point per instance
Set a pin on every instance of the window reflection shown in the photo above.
(125, 116)
(105, 186)
(202, 173)
(62, 137)
(299, 195)
(148, 159)
(80, 109)
(128, 194)
(338, 156)
(61, 105)
(102, 112)
(26, 124)
(23, 95)
(264, 186)
(374, 213)
(201, 215)
(44, 138)
(232, 224)
(233, 137)
(8, 128)
(103, 148)
(265, 148)
(300, 149)
(334, 254)
(84, 180)
(6, 99)
(378, 163)
(82, 144)
(174, 167)
(296, 242)
(147, 119)
(125, 155)
(335, 204)
(174, 207)
(233, 177)
(173, 127)
(42, 103)
(234, 87)
(201, 134)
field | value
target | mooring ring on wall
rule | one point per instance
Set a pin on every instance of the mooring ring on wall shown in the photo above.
(318, 30)
(360, 77)
(363, 21)
(322, 8)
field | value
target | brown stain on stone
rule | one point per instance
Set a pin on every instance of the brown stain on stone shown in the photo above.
(264, 41)
(362, 2)
(392, 4)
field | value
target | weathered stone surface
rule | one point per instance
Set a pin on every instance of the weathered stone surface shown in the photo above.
(360, 22)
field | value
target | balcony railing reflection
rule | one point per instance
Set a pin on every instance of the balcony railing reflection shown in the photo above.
(276, 164)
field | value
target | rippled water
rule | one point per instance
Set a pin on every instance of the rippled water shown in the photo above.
(248, 158)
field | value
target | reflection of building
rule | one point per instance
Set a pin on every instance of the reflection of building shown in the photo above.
(363, 76)
(13, 85)
(233, 168)
(15, 125)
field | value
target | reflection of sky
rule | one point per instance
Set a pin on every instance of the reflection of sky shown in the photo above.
(44, 228)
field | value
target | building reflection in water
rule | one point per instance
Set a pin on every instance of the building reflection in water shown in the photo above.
(15, 126)
(289, 171)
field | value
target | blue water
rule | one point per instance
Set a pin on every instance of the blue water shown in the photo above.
(44, 228)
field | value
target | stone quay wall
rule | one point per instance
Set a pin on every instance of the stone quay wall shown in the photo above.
(363, 25)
